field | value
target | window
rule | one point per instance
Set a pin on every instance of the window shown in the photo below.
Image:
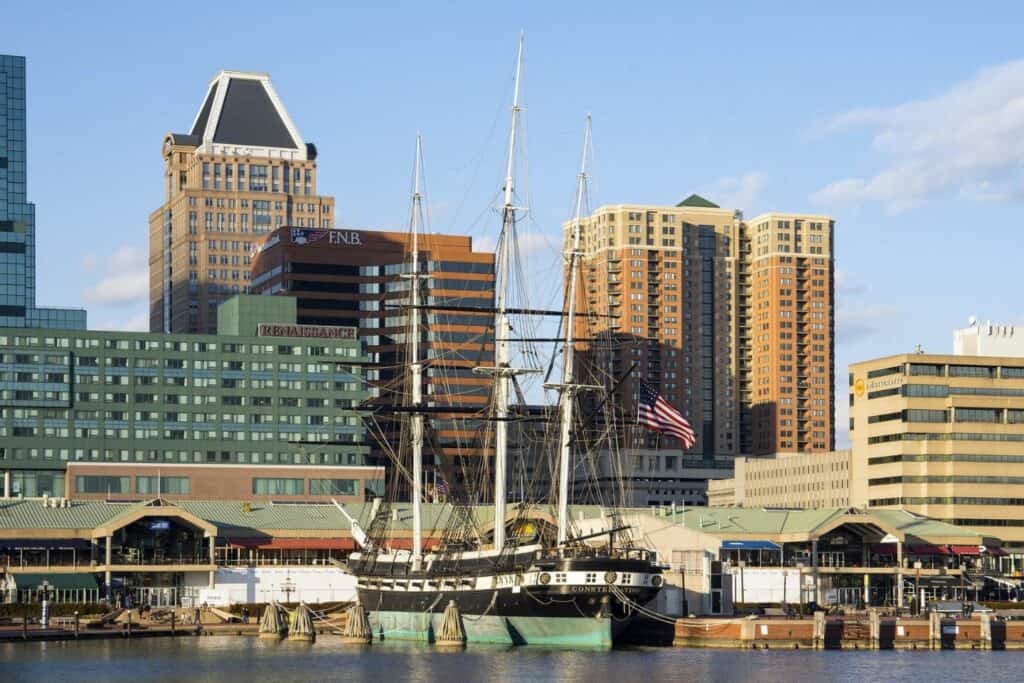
(277, 487)
(926, 369)
(97, 484)
(971, 371)
(148, 485)
(333, 487)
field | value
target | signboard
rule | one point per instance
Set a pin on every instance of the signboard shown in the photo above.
(159, 525)
(306, 236)
(305, 331)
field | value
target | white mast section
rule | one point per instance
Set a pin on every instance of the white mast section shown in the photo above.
(501, 323)
(568, 389)
(415, 366)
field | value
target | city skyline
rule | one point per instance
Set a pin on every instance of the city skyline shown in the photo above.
(858, 132)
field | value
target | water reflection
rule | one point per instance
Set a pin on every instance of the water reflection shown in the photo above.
(238, 659)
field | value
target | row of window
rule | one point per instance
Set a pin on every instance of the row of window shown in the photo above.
(153, 485)
(944, 500)
(943, 479)
(308, 456)
(946, 457)
(945, 436)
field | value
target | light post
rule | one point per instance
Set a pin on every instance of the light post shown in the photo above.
(917, 585)
(44, 618)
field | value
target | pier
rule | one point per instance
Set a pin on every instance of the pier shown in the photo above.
(867, 631)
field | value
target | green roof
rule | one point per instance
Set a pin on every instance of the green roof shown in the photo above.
(698, 201)
(240, 519)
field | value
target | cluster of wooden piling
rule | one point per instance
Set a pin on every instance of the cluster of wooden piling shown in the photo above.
(870, 631)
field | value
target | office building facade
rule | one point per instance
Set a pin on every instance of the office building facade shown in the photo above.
(356, 278)
(18, 215)
(264, 395)
(787, 480)
(942, 436)
(242, 170)
(731, 320)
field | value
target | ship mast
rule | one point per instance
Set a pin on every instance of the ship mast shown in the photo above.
(415, 366)
(502, 328)
(568, 389)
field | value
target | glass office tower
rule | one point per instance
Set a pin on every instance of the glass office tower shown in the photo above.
(17, 216)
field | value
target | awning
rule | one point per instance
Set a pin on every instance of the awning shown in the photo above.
(884, 548)
(44, 544)
(965, 549)
(928, 550)
(995, 551)
(749, 545)
(294, 543)
(55, 581)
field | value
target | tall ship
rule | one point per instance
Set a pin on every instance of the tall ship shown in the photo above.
(514, 579)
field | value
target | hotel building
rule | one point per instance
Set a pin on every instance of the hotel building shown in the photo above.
(263, 410)
(241, 171)
(731, 319)
(942, 436)
(18, 216)
(355, 278)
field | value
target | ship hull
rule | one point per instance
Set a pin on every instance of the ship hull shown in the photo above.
(555, 632)
(511, 609)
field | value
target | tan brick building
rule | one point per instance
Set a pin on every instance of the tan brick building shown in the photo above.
(242, 170)
(731, 319)
(942, 436)
(787, 480)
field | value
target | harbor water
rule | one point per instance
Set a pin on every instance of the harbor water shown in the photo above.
(234, 658)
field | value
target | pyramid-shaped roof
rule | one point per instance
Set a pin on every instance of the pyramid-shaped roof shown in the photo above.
(698, 201)
(243, 114)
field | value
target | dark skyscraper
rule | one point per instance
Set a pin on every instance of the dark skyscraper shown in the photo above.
(18, 216)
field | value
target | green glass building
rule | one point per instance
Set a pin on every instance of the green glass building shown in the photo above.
(264, 391)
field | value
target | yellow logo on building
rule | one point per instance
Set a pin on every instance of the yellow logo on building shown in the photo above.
(858, 387)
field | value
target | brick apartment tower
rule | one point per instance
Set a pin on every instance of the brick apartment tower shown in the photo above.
(242, 170)
(731, 320)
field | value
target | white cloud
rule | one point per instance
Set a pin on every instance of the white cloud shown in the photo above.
(847, 285)
(968, 140)
(125, 280)
(133, 322)
(529, 243)
(737, 192)
(854, 324)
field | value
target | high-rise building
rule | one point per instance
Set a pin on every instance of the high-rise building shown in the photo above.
(18, 216)
(356, 278)
(264, 409)
(941, 436)
(787, 303)
(731, 320)
(242, 170)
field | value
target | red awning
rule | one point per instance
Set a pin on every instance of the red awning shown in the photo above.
(928, 550)
(965, 550)
(884, 548)
(294, 543)
(995, 551)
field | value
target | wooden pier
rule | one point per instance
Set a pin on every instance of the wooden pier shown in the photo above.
(870, 631)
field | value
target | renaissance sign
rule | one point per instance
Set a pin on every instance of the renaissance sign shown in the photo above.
(305, 331)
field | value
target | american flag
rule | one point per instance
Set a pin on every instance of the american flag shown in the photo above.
(658, 414)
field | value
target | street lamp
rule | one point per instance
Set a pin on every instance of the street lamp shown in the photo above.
(917, 585)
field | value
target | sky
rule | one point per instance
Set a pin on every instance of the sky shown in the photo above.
(903, 121)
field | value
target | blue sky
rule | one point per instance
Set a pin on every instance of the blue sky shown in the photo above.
(905, 121)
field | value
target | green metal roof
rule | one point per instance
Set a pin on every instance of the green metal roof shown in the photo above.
(239, 519)
(698, 201)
